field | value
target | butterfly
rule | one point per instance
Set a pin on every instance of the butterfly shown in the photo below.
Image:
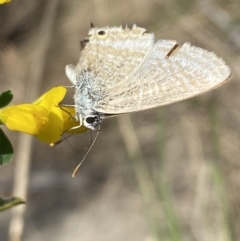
(125, 70)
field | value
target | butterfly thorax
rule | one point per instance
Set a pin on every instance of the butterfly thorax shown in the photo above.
(85, 98)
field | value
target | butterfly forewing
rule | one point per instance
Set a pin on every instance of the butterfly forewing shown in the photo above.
(113, 53)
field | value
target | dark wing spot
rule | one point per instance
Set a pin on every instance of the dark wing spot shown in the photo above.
(101, 32)
(83, 43)
(173, 50)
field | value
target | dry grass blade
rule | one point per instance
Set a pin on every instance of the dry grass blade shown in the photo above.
(23, 153)
(140, 170)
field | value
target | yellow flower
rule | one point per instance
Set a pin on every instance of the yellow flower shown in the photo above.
(43, 118)
(4, 1)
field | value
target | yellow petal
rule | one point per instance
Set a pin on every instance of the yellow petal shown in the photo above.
(26, 118)
(54, 129)
(52, 97)
(4, 1)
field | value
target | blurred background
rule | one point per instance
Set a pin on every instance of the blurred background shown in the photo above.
(171, 173)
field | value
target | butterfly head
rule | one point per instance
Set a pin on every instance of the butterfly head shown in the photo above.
(92, 121)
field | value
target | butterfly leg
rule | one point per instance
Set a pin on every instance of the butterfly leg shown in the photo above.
(80, 119)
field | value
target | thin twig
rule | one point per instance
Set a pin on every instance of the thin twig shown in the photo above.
(23, 153)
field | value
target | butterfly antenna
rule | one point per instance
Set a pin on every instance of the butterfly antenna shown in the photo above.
(78, 166)
(86, 148)
(66, 138)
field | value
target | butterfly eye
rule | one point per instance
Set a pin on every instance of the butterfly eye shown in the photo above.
(90, 119)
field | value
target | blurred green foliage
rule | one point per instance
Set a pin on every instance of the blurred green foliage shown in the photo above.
(10, 202)
(6, 149)
(6, 153)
